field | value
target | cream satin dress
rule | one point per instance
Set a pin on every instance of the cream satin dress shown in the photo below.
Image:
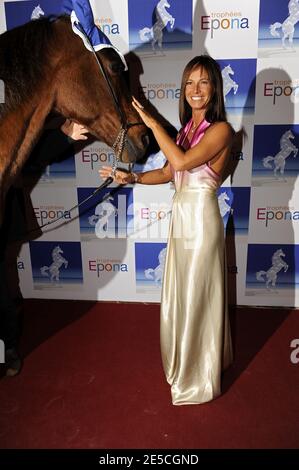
(195, 331)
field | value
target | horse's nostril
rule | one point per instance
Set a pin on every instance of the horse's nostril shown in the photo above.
(145, 140)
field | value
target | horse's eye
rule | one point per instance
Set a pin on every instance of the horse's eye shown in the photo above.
(117, 67)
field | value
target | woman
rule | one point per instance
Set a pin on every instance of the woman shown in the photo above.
(195, 333)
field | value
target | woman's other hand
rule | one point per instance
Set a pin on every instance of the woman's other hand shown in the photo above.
(148, 120)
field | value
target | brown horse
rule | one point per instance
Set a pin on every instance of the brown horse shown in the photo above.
(45, 67)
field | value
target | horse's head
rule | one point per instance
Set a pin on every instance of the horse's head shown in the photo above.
(224, 197)
(290, 135)
(228, 70)
(279, 253)
(82, 93)
(37, 13)
(57, 250)
(164, 4)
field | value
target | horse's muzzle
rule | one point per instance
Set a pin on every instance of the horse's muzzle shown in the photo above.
(135, 148)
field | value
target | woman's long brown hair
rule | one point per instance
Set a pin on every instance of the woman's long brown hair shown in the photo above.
(216, 109)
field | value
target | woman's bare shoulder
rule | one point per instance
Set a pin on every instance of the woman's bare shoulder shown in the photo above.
(221, 129)
(221, 126)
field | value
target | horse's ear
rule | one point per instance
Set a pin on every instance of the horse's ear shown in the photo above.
(83, 20)
(84, 26)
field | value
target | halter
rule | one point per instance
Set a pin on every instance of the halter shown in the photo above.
(121, 138)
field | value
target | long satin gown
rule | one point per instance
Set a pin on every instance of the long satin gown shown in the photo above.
(195, 332)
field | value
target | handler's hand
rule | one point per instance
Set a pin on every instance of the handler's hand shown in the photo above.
(74, 130)
(120, 177)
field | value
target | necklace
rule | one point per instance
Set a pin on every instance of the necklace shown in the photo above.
(194, 127)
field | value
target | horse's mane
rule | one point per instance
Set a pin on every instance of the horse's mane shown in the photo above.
(23, 55)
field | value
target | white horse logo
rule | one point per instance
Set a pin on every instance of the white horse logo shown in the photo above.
(286, 148)
(155, 34)
(37, 13)
(46, 174)
(54, 268)
(103, 212)
(228, 82)
(277, 265)
(157, 273)
(223, 206)
(288, 26)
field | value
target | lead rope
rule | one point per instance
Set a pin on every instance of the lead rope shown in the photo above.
(118, 148)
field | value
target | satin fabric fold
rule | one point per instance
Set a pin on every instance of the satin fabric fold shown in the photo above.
(194, 329)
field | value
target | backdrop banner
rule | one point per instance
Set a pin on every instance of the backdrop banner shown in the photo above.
(115, 249)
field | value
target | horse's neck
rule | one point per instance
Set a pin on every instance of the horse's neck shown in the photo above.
(286, 142)
(223, 200)
(277, 261)
(294, 17)
(293, 7)
(19, 131)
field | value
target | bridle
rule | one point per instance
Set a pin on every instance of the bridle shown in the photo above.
(118, 145)
(120, 140)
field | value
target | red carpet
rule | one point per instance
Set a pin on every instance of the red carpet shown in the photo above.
(92, 378)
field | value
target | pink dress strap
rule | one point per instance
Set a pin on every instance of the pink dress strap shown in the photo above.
(198, 134)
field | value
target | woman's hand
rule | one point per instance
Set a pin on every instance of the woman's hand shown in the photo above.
(148, 120)
(74, 130)
(120, 177)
